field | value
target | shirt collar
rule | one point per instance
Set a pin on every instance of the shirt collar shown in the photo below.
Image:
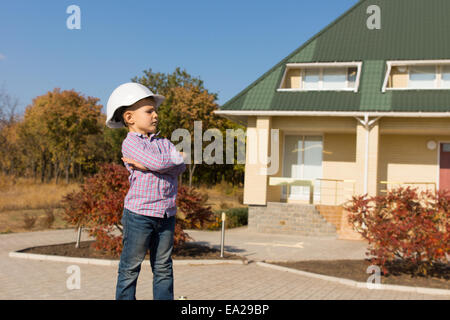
(143, 135)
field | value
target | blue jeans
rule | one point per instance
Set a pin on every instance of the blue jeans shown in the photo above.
(139, 234)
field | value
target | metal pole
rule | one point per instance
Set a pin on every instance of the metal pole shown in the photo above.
(77, 245)
(223, 234)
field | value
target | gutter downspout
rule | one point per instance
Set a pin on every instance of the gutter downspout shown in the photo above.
(367, 124)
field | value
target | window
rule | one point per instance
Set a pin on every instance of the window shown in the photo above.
(311, 79)
(422, 77)
(445, 79)
(417, 75)
(302, 160)
(351, 77)
(337, 76)
(334, 78)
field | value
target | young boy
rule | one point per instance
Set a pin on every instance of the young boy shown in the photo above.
(149, 208)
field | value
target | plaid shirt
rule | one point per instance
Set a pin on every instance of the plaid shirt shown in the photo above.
(152, 193)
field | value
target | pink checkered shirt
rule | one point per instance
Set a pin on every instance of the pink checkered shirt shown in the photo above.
(152, 193)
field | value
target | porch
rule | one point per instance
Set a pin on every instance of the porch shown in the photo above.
(321, 162)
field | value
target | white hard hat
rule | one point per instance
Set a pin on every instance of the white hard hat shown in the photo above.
(126, 95)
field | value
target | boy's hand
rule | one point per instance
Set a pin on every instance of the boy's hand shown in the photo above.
(134, 165)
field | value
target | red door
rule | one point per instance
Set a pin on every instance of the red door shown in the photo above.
(444, 171)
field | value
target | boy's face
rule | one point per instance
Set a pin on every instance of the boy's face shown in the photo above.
(142, 117)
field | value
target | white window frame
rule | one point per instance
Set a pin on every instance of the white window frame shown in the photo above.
(321, 66)
(407, 63)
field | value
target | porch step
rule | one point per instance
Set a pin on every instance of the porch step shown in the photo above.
(289, 218)
(339, 218)
(333, 214)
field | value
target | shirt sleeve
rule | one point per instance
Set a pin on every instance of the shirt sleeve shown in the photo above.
(150, 155)
(177, 159)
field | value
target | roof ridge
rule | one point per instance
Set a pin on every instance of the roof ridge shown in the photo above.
(254, 83)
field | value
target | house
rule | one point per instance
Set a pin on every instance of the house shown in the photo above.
(361, 107)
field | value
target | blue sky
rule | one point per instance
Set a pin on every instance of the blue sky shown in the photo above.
(228, 44)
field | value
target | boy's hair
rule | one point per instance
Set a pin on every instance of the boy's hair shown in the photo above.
(118, 115)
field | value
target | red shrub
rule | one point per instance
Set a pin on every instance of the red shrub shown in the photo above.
(192, 205)
(404, 225)
(98, 207)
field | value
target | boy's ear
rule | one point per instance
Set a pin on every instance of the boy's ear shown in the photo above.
(128, 117)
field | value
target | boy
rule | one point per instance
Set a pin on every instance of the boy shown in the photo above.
(149, 208)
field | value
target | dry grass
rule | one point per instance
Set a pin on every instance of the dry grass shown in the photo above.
(223, 196)
(25, 194)
(21, 200)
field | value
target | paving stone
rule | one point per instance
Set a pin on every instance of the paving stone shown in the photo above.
(33, 279)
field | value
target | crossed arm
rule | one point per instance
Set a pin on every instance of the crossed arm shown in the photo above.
(138, 166)
(163, 159)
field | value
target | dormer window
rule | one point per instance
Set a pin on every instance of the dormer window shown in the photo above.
(417, 75)
(321, 77)
(445, 77)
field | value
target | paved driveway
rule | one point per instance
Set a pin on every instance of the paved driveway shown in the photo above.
(31, 279)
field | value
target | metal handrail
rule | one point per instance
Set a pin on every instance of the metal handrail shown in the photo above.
(413, 183)
(287, 181)
(335, 186)
(281, 181)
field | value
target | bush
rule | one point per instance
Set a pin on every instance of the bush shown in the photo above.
(235, 217)
(193, 212)
(29, 221)
(98, 207)
(48, 218)
(404, 226)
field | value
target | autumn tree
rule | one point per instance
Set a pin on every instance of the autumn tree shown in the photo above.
(9, 151)
(60, 123)
(187, 101)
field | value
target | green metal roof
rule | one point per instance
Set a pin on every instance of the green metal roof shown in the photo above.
(410, 30)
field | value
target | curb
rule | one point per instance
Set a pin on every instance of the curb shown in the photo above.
(108, 262)
(356, 283)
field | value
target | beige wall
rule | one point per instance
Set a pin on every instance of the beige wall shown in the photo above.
(255, 183)
(292, 79)
(397, 152)
(339, 163)
(398, 79)
(428, 126)
(315, 124)
(406, 158)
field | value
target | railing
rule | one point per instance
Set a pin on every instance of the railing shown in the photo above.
(282, 181)
(387, 183)
(335, 188)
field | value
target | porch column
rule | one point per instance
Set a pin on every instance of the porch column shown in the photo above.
(257, 146)
(367, 146)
